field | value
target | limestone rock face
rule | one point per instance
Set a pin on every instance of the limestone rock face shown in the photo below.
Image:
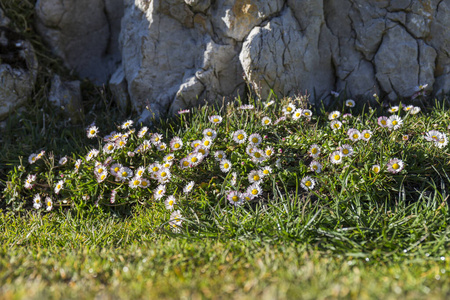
(18, 69)
(181, 53)
(84, 33)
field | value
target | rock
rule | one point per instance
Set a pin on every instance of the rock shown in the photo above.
(118, 87)
(181, 53)
(4, 21)
(66, 95)
(84, 33)
(18, 69)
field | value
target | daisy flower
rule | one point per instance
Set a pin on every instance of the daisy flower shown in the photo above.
(176, 144)
(109, 148)
(421, 87)
(307, 113)
(196, 143)
(127, 124)
(144, 183)
(315, 166)
(216, 119)
(254, 190)
(225, 165)
(219, 155)
(32, 158)
(29, 181)
(115, 168)
(394, 122)
(393, 109)
(112, 198)
(376, 169)
(297, 114)
(159, 192)
(170, 202)
(336, 157)
(167, 164)
(415, 110)
(188, 187)
(442, 142)
(268, 151)
(383, 121)
(99, 169)
(140, 171)
(336, 125)
(142, 132)
(354, 134)
(408, 108)
(233, 178)
(175, 219)
(314, 151)
(249, 149)
(279, 120)
(395, 165)
(346, 150)
(235, 198)
(255, 176)
(258, 155)
(268, 103)
(207, 142)
(161, 146)
(239, 136)
(102, 176)
(92, 132)
(334, 115)
(288, 109)
(48, 203)
(335, 94)
(307, 183)
(266, 121)
(266, 171)
(210, 133)
(77, 165)
(255, 139)
(37, 201)
(202, 150)
(156, 139)
(184, 163)
(366, 135)
(350, 103)
(41, 154)
(124, 173)
(433, 136)
(163, 175)
(120, 143)
(247, 197)
(59, 186)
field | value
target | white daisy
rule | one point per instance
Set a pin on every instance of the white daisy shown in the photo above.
(269, 151)
(366, 135)
(350, 103)
(415, 110)
(225, 165)
(235, 198)
(314, 151)
(175, 219)
(48, 203)
(140, 171)
(196, 143)
(176, 143)
(159, 192)
(265, 171)
(395, 165)
(255, 139)
(109, 148)
(297, 114)
(334, 115)
(335, 125)
(255, 176)
(216, 119)
(266, 121)
(124, 173)
(239, 136)
(307, 113)
(219, 155)
(254, 190)
(207, 142)
(120, 143)
(115, 168)
(142, 132)
(170, 202)
(161, 146)
(37, 203)
(307, 183)
(102, 176)
(144, 183)
(92, 132)
(394, 122)
(210, 133)
(188, 187)
(91, 154)
(127, 124)
(354, 134)
(59, 186)
(163, 175)
(393, 109)
(289, 109)
(376, 169)
(315, 166)
(156, 139)
(32, 158)
(336, 157)
(346, 150)
(194, 159)
(383, 121)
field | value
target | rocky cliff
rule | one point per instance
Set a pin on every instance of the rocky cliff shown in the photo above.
(172, 54)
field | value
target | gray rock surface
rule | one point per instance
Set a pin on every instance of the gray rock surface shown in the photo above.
(181, 53)
(18, 69)
(84, 33)
(66, 95)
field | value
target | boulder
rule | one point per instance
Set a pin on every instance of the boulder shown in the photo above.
(66, 96)
(18, 69)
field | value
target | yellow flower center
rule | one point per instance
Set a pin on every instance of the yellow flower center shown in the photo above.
(110, 147)
(266, 121)
(308, 183)
(176, 146)
(256, 177)
(206, 143)
(396, 166)
(345, 151)
(171, 202)
(289, 109)
(240, 136)
(255, 140)
(49, 203)
(376, 169)
(337, 157)
(144, 183)
(116, 169)
(337, 125)
(163, 174)
(124, 174)
(185, 163)
(209, 133)
(314, 150)
(102, 177)
(194, 159)
(196, 145)
(383, 122)
(266, 172)
(367, 135)
(226, 166)
(58, 186)
(92, 131)
(254, 191)
(315, 167)
(355, 136)
(394, 122)
(334, 116)
(306, 113)
(220, 156)
(216, 120)
(38, 201)
(160, 192)
(235, 198)
(257, 154)
(155, 169)
(100, 170)
(136, 182)
(156, 139)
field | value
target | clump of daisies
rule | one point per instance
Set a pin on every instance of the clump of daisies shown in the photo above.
(231, 158)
